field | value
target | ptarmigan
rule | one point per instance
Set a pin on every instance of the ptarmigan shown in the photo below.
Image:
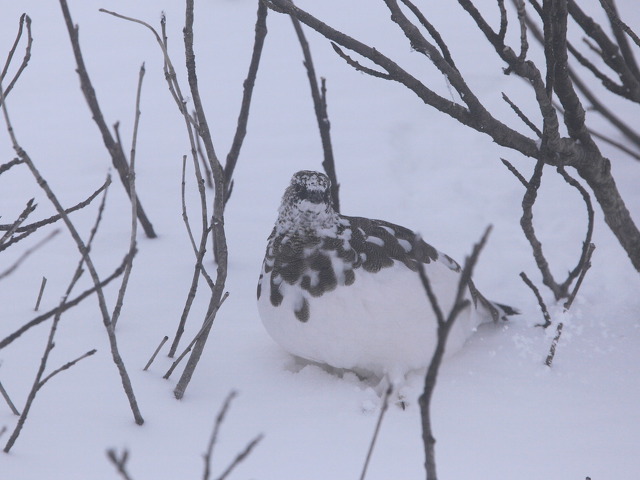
(345, 291)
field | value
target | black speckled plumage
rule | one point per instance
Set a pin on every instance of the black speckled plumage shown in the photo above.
(345, 290)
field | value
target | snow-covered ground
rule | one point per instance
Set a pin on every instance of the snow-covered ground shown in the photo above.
(498, 412)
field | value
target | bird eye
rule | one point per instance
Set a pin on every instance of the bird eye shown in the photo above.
(299, 190)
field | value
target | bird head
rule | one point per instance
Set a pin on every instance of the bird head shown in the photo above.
(306, 203)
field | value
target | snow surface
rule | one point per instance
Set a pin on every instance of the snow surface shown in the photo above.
(498, 412)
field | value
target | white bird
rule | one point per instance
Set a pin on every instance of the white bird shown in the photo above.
(345, 291)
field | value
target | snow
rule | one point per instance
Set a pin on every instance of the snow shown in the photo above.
(498, 412)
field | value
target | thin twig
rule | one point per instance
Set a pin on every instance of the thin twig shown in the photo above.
(40, 292)
(522, 116)
(567, 305)
(214, 434)
(114, 147)
(24, 20)
(620, 146)
(203, 160)
(7, 399)
(86, 258)
(383, 410)
(543, 306)
(200, 123)
(155, 353)
(596, 104)
(444, 327)
(214, 437)
(203, 331)
(217, 223)
(241, 457)
(322, 116)
(28, 210)
(554, 344)
(573, 274)
(199, 250)
(39, 382)
(6, 166)
(358, 66)
(586, 266)
(577, 150)
(115, 316)
(62, 308)
(120, 462)
(243, 116)
(515, 172)
(526, 222)
(26, 254)
(66, 366)
(524, 43)
(609, 52)
(432, 31)
(54, 218)
(610, 8)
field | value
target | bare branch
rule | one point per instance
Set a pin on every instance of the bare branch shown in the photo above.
(155, 353)
(584, 257)
(204, 330)
(62, 308)
(432, 31)
(86, 258)
(524, 43)
(554, 344)
(607, 81)
(205, 163)
(322, 117)
(7, 399)
(526, 222)
(578, 150)
(120, 462)
(383, 410)
(444, 327)
(358, 66)
(217, 223)
(26, 254)
(426, 284)
(214, 434)
(134, 205)
(543, 306)
(6, 166)
(218, 231)
(54, 218)
(522, 116)
(241, 457)
(28, 210)
(503, 20)
(39, 382)
(64, 367)
(24, 20)
(618, 27)
(199, 251)
(610, 51)
(596, 104)
(586, 265)
(40, 292)
(517, 174)
(114, 148)
(241, 129)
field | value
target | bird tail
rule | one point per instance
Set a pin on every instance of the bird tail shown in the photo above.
(497, 311)
(506, 310)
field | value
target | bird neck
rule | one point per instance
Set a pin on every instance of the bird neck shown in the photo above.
(307, 218)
